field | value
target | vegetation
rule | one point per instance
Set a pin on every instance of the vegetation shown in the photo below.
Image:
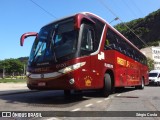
(12, 80)
(12, 67)
(146, 28)
(150, 64)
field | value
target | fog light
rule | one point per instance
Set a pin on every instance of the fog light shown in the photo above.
(71, 81)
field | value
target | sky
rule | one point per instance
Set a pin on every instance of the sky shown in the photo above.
(21, 16)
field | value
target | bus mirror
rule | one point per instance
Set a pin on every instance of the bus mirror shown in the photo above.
(25, 35)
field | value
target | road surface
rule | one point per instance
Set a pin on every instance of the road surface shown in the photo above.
(128, 99)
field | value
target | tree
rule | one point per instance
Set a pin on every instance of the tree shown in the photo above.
(12, 66)
(146, 28)
(150, 64)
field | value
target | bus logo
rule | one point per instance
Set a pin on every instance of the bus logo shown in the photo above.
(61, 65)
(88, 81)
(6, 114)
(101, 56)
(121, 61)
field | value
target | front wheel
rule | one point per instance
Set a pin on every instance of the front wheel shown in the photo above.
(107, 89)
(67, 93)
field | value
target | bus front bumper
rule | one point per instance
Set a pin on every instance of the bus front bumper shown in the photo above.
(65, 82)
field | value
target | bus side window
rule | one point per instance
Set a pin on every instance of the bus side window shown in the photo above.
(109, 41)
(106, 42)
(107, 46)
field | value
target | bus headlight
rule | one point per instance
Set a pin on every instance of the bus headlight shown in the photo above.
(72, 67)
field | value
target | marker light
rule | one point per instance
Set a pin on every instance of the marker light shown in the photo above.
(71, 81)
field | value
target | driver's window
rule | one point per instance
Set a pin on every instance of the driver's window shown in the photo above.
(87, 39)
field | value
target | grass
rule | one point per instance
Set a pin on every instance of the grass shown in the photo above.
(8, 80)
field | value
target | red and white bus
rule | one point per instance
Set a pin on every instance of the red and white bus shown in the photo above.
(83, 52)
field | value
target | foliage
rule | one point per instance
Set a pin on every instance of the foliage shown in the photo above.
(150, 64)
(12, 66)
(12, 80)
(146, 28)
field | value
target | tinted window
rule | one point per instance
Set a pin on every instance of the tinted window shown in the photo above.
(54, 41)
(153, 74)
(111, 41)
(115, 42)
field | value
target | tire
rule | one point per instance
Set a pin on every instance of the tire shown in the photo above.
(107, 89)
(142, 85)
(78, 91)
(67, 93)
(158, 83)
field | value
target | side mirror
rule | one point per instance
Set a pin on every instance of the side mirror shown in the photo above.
(25, 35)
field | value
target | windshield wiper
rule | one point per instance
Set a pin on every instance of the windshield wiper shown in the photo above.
(35, 58)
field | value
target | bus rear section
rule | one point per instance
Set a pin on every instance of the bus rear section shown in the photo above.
(129, 64)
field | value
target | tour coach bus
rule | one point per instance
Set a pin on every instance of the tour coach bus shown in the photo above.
(83, 52)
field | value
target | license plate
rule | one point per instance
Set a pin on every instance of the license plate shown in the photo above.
(42, 84)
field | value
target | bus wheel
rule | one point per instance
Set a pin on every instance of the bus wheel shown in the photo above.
(107, 89)
(141, 86)
(158, 83)
(67, 93)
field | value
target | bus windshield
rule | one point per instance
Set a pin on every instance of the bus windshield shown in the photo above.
(54, 41)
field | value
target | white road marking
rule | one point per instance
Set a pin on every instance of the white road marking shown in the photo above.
(77, 109)
(106, 98)
(88, 105)
(112, 97)
(53, 118)
(99, 101)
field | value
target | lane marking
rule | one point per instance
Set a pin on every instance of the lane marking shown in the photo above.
(77, 109)
(112, 97)
(106, 98)
(88, 105)
(53, 118)
(99, 101)
(119, 95)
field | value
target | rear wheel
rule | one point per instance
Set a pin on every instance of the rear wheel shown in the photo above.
(142, 85)
(107, 89)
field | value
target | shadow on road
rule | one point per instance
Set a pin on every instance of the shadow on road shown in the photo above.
(55, 98)
(44, 98)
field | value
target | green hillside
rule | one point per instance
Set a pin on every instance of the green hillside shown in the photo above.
(148, 29)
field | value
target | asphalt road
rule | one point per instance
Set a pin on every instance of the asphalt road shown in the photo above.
(128, 99)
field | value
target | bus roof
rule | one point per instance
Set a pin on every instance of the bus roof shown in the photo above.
(111, 27)
(88, 14)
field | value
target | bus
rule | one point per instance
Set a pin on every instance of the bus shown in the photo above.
(83, 52)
